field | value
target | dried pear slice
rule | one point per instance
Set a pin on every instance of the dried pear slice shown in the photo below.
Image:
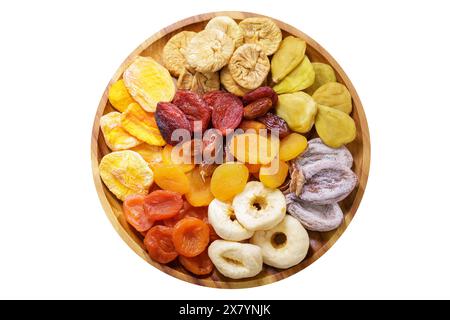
(334, 127)
(199, 82)
(209, 50)
(249, 66)
(148, 83)
(173, 52)
(298, 110)
(229, 27)
(262, 31)
(300, 78)
(324, 74)
(229, 84)
(287, 58)
(125, 173)
(116, 137)
(334, 95)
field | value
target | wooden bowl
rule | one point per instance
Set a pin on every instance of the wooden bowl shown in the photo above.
(320, 242)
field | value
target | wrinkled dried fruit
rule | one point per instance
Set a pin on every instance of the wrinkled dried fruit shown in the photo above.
(298, 109)
(318, 151)
(334, 95)
(261, 92)
(162, 204)
(119, 96)
(252, 125)
(194, 108)
(254, 148)
(324, 74)
(133, 209)
(151, 154)
(274, 174)
(275, 123)
(170, 118)
(249, 66)
(229, 27)
(229, 84)
(327, 182)
(125, 172)
(287, 58)
(292, 146)
(228, 180)
(159, 244)
(335, 127)
(200, 265)
(199, 82)
(227, 110)
(300, 78)
(257, 108)
(321, 218)
(297, 179)
(171, 177)
(142, 125)
(190, 236)
(173, 52)
(116, 137)
(209, 50)
(148, 83)
(200, 194)
(171, 157)
(262, 31)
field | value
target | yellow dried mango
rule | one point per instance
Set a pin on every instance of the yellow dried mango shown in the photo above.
(287, 58)
(335, 127)
(175, 157)
(298, 110)
(334, 95)
(300, 78)
(125, 173)
(119, 96)
(142, 125)
(149, 83)
(151, 154)
(116, 137)
(324, 74)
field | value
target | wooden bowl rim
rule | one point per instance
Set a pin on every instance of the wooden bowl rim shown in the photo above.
(251, 282)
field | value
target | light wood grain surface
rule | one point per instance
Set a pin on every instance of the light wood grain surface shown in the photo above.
(320, 242)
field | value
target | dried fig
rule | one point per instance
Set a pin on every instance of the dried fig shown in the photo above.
(262, 31)
(249, 66)
(229, 84)
(287, 58)
(335, 127)
(209, 50)
(298, 109)
(300, 78)
(317, 151)
(324, 74)
(229, 27)
(173, 52)
(334, 95)
(198, 82)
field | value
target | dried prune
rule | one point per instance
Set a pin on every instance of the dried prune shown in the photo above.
(274, 122)
(257, 108)
(170, 118)
(227, 110)
(194, 107)
(261, 92)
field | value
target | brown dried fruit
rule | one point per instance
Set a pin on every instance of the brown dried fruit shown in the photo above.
(274, 122)
(261, 92)
(229, 84)
(297, 179)
(227, 111)
(257, 108)
(199, 82)
(170, 118)
(262, 31)
(194, 107)
(173, 52)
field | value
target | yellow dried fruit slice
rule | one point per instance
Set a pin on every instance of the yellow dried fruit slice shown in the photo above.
(300, 78)
(119, 96)
(125, 173)
(151, 154)
(175, 157)
(324, 74)
(149, 83)
(334, 95)
(254, 148)
(335, 127)
(142, 125)
(116, 137)
(298, 110)
(287, 58)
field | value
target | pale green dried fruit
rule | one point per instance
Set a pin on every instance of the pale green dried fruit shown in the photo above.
(300, 78)
(298, 110)
(288, 56)
(334, 95)
(324, 74)
(334, 127)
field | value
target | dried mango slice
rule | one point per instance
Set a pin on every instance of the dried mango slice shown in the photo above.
(125, 172)
(116, 137)
(142, 125)
(149, 83)
(119, 96)
(151, 154)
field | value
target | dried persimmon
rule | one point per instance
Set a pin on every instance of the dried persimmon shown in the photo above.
(162, 204)
(200, 265)
(158, 242)
(190, 236)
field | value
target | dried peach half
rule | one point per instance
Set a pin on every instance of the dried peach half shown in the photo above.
(116, 137)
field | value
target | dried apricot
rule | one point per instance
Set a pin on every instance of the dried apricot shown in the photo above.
(171, 222)
(254, 148)
(162, 204)
(169, 119)
(190, 236)
(133, 209)
(200, 265)
(200, 193)
(141, 125)
(171, 177)
(159, 244)
(116, 137)
(194, 107)
(151, 154)
(274, 174)
(253, 168)
(119, 96)
(292, 146)
(252, 125)
(228, 180)
(169, 156)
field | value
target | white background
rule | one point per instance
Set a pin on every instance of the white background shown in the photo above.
(58, 56)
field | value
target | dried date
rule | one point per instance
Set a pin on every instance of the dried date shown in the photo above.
(274, 122)
(261, 92)
(257, 108)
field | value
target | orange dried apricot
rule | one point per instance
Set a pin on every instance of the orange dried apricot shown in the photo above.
(200, 194)
(171, 177)
(116, 137)
(292, 146)
(162, 204)
(159, 244)
(133, 209)
(200, 265)
(228, 180)
(151, 154)
(252, 125)
(119, 96)
(170, 157)
(190, 236)
(274, 174)
(254, 148)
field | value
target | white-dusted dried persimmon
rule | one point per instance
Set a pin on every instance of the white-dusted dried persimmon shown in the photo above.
(262, 31)
(116, 137)
(173, 52)
(125, 173)
(148, 83)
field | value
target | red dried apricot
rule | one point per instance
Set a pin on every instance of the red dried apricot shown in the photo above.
(227, 110)
(190, 236)
(194, 107)
(162, 204)
(159, 244)
(200, 265)
(133, 209)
